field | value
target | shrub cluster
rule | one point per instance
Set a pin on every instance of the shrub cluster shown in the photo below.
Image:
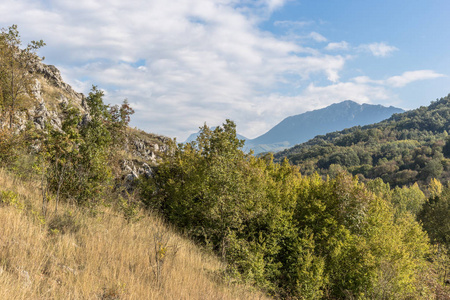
(299, 237)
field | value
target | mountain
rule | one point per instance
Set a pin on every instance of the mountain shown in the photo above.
(303, 127)
(409, 147)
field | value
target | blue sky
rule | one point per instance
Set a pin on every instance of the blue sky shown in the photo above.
(181, 63)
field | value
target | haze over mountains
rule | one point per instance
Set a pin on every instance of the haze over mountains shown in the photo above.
(303, 127)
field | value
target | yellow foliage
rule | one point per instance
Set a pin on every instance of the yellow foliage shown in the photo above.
(435, 188)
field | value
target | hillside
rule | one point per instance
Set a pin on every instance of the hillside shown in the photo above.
(81, 254)
(73, 222)
(303, 127)
(406, 148)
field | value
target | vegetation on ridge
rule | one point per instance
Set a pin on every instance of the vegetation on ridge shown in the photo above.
(407, 148)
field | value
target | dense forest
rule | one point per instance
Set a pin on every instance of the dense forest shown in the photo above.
(404, 149)
(284, 229)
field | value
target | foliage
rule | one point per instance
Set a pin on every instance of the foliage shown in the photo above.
(407, 148)
(16, 79)
(8, 144)
(435, 217)
(10, 198)
(295, 236)
(76, 161)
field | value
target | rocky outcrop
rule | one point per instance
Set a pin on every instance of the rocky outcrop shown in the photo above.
(51, 95)
(147, 152)
(146, 149)
(53, 76)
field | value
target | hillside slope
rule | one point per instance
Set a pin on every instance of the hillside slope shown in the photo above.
(408, 147)
(81, 254)
(73, 223)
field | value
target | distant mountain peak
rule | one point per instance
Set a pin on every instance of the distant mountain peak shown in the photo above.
(303, 127)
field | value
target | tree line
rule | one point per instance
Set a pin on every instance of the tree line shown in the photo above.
(410, 147)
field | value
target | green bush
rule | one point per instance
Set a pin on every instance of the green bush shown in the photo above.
(298, 237)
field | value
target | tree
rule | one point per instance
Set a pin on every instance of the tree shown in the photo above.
(59, 157)
(16, 77)
(120, 118)
(77, 160)
(435, 214)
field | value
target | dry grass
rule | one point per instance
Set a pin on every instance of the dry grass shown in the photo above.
(53, 95)
(77, 255)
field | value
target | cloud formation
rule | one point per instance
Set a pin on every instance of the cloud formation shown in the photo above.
(411, 76)
(317, 37)
(379, 49)
(400, 80)
(186, 62)
(337, 46)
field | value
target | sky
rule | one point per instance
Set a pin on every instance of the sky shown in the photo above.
(181, 63)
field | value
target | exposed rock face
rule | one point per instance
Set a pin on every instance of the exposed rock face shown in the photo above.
(38, 115)
(145, 149)
(147, 153)
(53, 76)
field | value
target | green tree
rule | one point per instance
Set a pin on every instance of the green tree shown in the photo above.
(16, 76)
(78, 159)
(435, 216)
(233, 202)
(60, 155)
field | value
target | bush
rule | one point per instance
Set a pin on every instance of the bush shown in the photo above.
(294, 236)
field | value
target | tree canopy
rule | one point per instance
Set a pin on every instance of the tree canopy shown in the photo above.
(296, 236)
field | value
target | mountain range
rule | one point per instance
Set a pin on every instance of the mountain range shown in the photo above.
(300, 128)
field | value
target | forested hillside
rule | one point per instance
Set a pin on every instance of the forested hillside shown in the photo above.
(410, 147)
(83, 200)
(302, 237)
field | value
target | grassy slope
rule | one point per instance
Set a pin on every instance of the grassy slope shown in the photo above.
(98, 256)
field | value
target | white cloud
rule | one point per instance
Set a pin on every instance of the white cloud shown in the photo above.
(411, 76)
(400, 80)
(294, 24)
(337, 46)
(184, 62)
(367, 80)
(341, 91)
(378, 49)
(317, 37)
(201, 60)
(275, 4)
